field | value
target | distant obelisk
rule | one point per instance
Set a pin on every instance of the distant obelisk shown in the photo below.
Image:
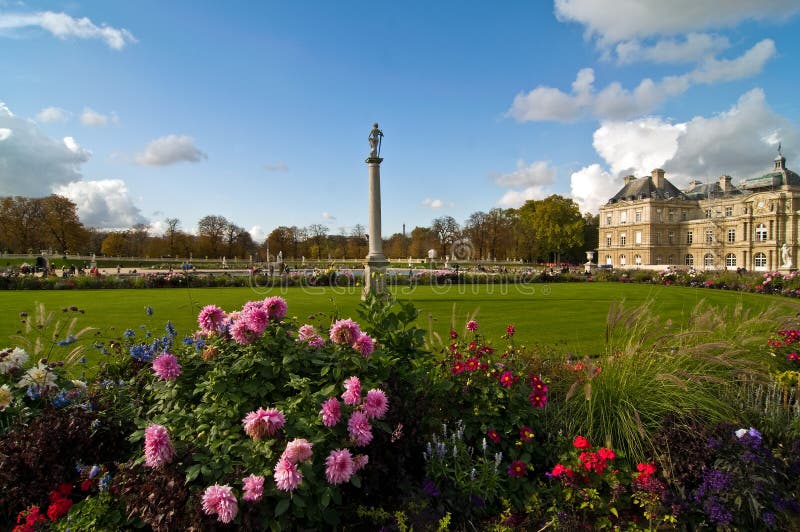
(375, 265)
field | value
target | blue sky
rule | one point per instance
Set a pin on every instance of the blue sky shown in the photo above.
(260, 111)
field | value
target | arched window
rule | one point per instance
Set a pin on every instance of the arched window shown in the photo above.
(760, 260)
(708, 260)
(730, 260)
(608, 260)
(689, 260)
(622, 260)
(637, 259)
(761, 233)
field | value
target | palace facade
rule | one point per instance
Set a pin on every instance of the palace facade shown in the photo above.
(650, 223)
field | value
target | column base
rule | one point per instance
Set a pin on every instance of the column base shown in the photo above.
(374, 278)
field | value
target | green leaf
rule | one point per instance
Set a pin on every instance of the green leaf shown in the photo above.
(355, 480)
(281, 507)
(325, 500)
(298, 501)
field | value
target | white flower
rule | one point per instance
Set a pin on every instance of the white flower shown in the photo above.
(79, 385)
(5, 396)
(12, 360)
(740, 433)
(41, 375)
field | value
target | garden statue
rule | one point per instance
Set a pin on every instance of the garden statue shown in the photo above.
(375, 137)
(786, 257)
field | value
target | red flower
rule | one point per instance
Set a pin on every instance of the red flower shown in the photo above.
(507, 379)
(458, 367)
(86, 485)
(472, 325)
(59, 508)
(646, 469)
(453, 334)
(472, 346)
(581, 443)
(493, 435)
(606, 454)
(793, 357)
(538, 400)
(525, 433)
(510, 331)
(473, 364)
(517, 469)
(558, 470)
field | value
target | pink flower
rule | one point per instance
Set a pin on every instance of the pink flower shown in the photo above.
(220, 500)
(211, 318)
(316, 342)
(263, 423)
(256, 319)
(510, 331)
(352, 394)
(298, 450)
(241, 332)
(287, 477)
(507, 379)
(376, 404)
(339, 466)
(253, 488)
(276, 307)
(517, 469)
(306, 332)
(331, 412)
(345, 332)
(606, 454)
(359, 428)
(166, 367)
(364, 345)
(493, 435)
(360, 461)
(581, 443)
(525, 433)
(472, 325)
(158, 448)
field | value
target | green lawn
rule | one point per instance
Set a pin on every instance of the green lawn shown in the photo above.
(569, 317)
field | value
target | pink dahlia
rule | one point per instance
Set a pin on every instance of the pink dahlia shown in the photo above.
(253, 488)
(360, 461)
(331, 412)
(472, 325)
(316, 342)
(376, 404)
(263, 423)
(364, 345)
(211, 318)
(345, 332)
(359, 428)
(166, 367)
(306, 332)
(158, 448)
(276, 307)
(298, 450)
(256, 319)
(339, 466)
(241, 332)
(287, 477)
(221, 501)
(352, 394)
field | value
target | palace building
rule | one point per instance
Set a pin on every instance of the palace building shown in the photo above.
(650, 223)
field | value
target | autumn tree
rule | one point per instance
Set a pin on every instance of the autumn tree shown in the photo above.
(318, 234)
(21, 226)
(62, 226)
(446, 230)
(211, 230)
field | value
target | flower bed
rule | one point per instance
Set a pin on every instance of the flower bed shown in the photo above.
(253, 421)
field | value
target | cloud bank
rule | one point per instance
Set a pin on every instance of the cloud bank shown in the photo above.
(63, 26)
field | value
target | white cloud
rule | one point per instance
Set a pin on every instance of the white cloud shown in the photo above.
(591, 187)
(748, 64)
(328, 216)
(280, 166)
(433, 203)
(5, 133)
(740, 141)
(157, 227)
(257, 233)
(170, 150)
(536, 173)
(674, 51)
(103, 204)
(63, 26)
(31, 163)
(613, 21)
(52, 114)
(515, 198)
(90, 117)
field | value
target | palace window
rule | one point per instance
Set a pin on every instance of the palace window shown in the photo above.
(637, 238)
(689, 260)
(728, 211)
(761, 233)
(683, 215)
(708, 213)
(623, 217)
(671, 215)
(658, 238)
(608, 219)
(730, 260)
(708, 260)
(671, 237)
(709, 236)
(689, 237)
(731, 235)
(760, 260)
(608, 240)
(658, 215)
(637, 216)
(608, 260)
(637, 259)
(622, 260)
(622, 239)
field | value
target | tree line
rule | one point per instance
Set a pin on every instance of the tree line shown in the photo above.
(547, 230)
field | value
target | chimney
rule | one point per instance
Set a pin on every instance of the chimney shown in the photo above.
(658, 177)
(629, 178)
(725, 183)
(694, 183)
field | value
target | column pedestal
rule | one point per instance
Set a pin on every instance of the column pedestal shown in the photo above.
(376, 263)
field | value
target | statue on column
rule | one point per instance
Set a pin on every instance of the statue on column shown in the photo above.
(375, 137)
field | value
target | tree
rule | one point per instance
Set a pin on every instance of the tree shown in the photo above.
(212, 230)
(422, 239)
(318, 233)
(558, 225)
(447, 231)
(358, 240)
(475, 229)
(171, 233)
(115, 244)
(62, 225)
(21, 224)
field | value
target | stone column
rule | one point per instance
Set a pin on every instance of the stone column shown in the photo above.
(375, 265)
